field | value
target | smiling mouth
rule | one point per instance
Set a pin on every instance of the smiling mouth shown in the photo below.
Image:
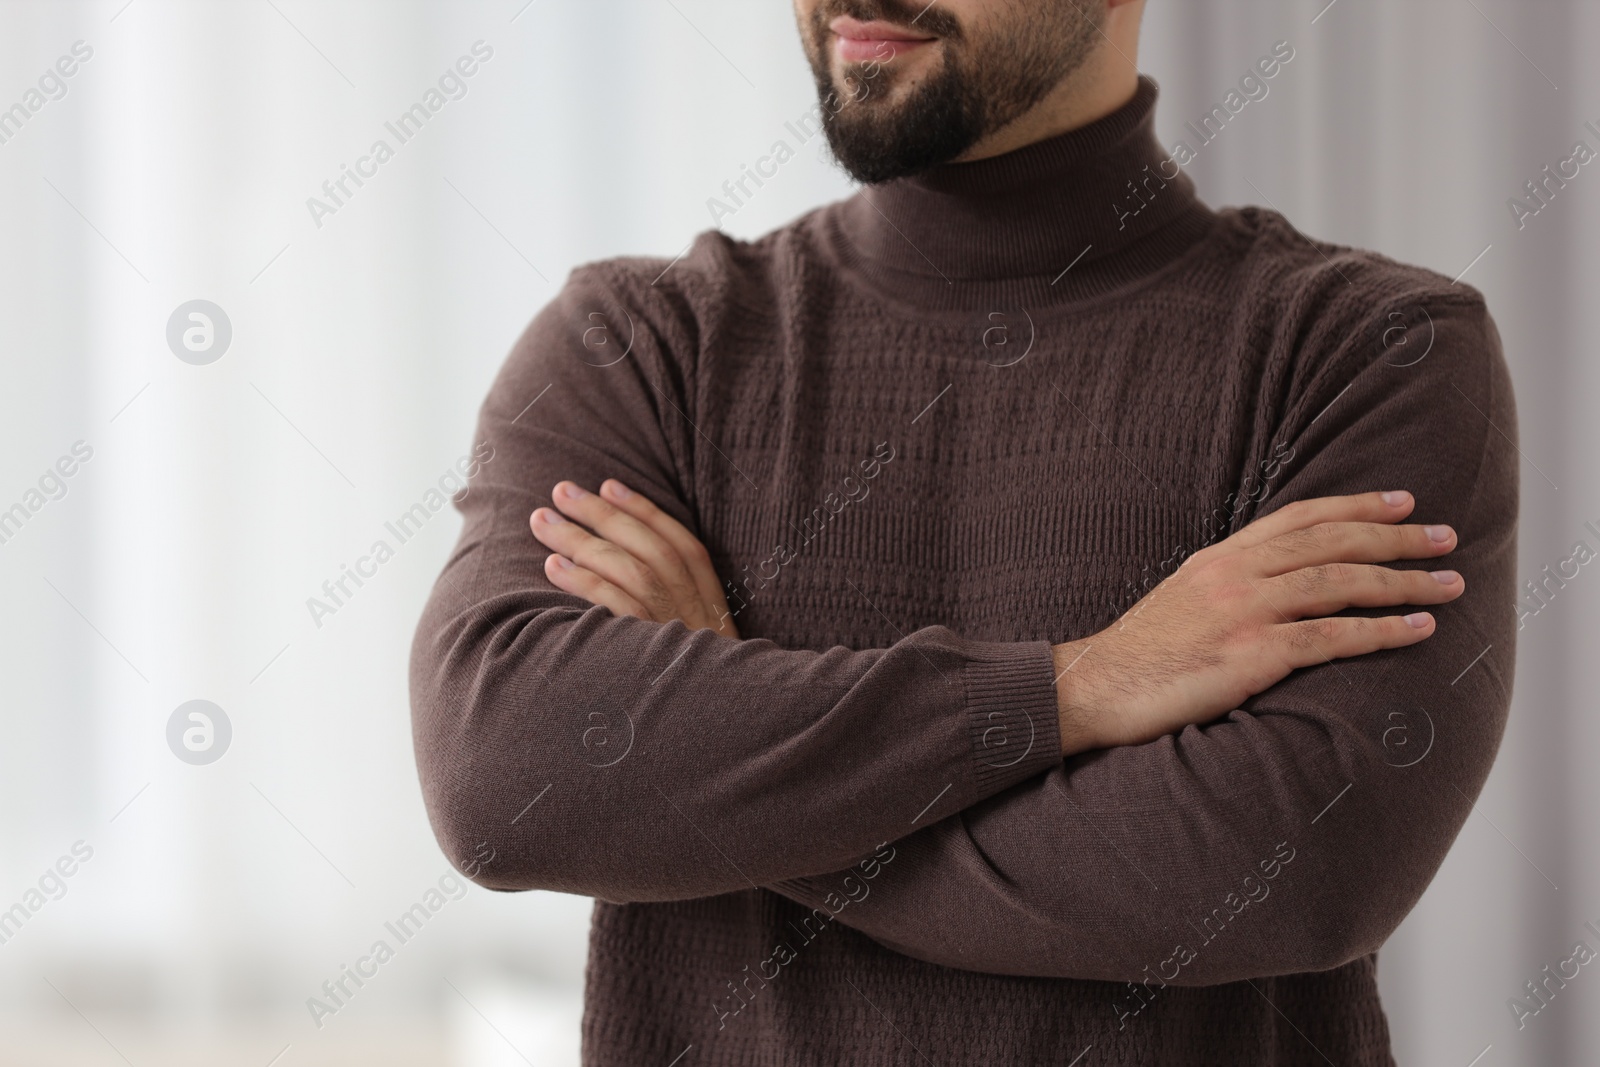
(858, 42)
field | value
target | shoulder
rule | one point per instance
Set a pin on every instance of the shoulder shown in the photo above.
(1330, 312)
(714, 280)
(651, 318)
(1328, 288)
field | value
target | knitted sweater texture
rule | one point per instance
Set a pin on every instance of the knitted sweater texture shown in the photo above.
(925, 432)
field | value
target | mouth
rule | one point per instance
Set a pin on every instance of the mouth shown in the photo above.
(857, 42)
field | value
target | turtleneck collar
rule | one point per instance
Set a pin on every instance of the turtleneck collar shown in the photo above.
(1055, 221)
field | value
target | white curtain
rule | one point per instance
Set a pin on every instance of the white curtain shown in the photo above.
(175, 163)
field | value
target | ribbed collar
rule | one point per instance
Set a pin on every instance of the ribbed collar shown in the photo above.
(1055, 221)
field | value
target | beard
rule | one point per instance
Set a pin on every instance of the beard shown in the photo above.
(985, 79)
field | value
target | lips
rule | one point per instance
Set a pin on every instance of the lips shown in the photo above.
(861, 41)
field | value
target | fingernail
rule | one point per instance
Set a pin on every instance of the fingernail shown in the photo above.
(1437, 533)
(1446, 577)
(1418, 620)
(563, 562)
(1396, 497)
(554, 518)
(618, 490)
(569, 490)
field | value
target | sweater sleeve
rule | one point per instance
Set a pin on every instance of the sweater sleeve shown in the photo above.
(561, 747)
(1294, 834)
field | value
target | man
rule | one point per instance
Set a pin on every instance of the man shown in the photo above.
(982, 621)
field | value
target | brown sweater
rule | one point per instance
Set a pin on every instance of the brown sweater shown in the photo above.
(925, 432)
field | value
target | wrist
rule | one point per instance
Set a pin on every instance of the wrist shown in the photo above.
(1079, 713)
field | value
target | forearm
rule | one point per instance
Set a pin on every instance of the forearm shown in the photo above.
(1166, 854)
(1292, 836)
(632, 760)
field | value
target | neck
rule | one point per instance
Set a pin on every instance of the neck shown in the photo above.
(1104, 84)
(1056, 220)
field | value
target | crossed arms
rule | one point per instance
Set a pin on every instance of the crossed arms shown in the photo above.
(1136, 825)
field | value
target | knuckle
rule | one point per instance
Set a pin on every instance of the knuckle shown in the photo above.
(1235, 595)
(1220, 557)
(1211, 572)
(1325, 534)
(1310, 581)
(1343, 574)
(1242, 642)
(656, 600)
(644, 579)
(1299, 510)
(682, 585)
(1427, 588)
(1312, 633)
(1296, 542)
(603, 553)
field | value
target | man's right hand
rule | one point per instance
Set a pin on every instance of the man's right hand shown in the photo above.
(1238, 616)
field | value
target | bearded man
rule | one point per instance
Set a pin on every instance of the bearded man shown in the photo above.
(982, 621)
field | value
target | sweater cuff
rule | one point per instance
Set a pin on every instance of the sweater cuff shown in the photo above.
(1012, 714)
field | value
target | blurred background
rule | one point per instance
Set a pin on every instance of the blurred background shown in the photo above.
(223, 467)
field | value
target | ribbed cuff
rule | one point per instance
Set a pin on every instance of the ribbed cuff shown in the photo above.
(1012, 714)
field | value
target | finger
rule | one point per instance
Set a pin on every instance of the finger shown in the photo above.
(603, 558)
(688, 547)
(1389, 506)
(579, 581)
(1332, 587)
(629, 534)
(1314, 641)
(1346, 542)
